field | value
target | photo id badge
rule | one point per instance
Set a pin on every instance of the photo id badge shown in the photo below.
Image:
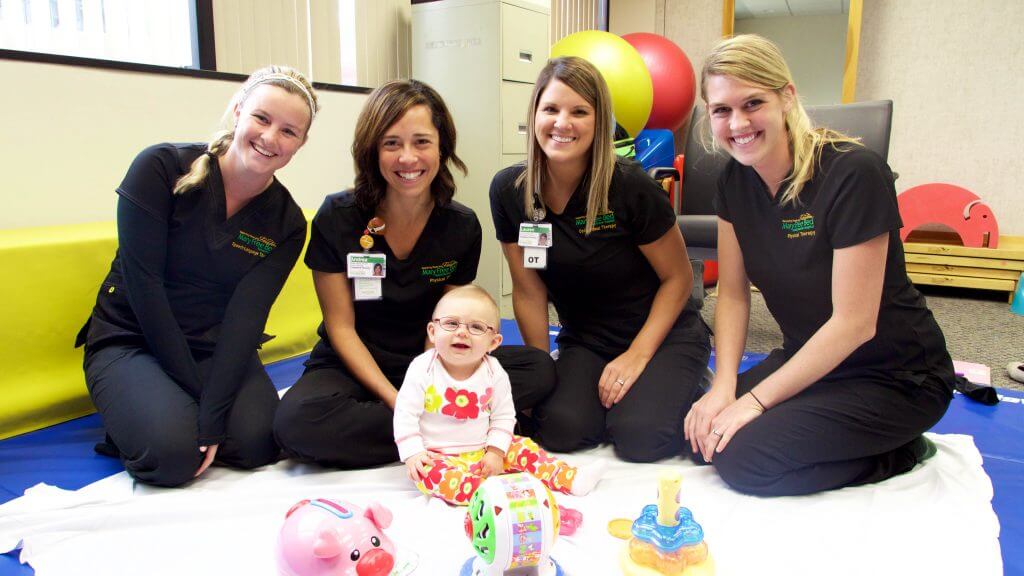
(535, 258)
(366, 269)
(535, 234)
(367, 265)
(366, 289)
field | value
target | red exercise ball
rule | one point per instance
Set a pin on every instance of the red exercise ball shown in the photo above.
(671, 76)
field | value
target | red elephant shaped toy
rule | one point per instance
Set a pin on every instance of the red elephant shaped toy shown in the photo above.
(952, 206)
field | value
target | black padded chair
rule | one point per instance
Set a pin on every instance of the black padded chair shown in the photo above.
(869, 121)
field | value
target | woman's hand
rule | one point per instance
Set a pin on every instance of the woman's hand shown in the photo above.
(667, 256)
(211, 453)
(336, 302)
(619, 376)
(728, 422)
(697, 424)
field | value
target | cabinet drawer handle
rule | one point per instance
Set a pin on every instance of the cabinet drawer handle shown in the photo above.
(526, 56)
(521, 128)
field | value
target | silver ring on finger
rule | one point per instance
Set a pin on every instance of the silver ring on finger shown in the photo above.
(716, 433)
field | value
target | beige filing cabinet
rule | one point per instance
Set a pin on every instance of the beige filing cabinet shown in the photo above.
(483, 56)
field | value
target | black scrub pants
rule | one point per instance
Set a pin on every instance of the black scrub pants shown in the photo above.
(647, 424)
(836, 433)
(330, 418)
(154, 422)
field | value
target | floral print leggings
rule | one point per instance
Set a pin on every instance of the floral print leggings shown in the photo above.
(454, 478)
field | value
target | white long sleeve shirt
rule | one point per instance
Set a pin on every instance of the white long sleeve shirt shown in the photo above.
(437, 412)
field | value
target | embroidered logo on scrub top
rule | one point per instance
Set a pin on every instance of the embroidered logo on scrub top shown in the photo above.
(799, 227)
(604, 221)
(254, 245)
(440, 272)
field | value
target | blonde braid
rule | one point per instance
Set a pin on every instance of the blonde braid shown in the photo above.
(200, 169)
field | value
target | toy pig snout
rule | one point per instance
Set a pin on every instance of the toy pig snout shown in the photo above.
(376, 562)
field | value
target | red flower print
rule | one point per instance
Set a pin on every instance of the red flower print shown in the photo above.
(460, 404)
(466, 489)
(527, 461)
(434, 474)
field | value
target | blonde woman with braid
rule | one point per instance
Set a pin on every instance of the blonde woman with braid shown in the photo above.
(206, 239)
(809, 216)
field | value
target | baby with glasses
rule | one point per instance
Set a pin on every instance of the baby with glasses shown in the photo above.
(454, 414)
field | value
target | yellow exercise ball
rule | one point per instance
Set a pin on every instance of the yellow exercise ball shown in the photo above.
(623, 69)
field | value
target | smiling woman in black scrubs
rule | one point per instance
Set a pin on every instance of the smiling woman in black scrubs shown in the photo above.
(631, 353)
(206, 239)
(810, 217)
(400, 216)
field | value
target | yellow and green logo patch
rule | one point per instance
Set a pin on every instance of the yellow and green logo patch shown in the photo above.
(440, 272)
(799, 227)
(254, 245)
(605, 221)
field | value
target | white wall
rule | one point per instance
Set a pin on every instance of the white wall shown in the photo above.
(70, 133)
(814, 48)
(953, 70)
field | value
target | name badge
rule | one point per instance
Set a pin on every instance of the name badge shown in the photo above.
(535, 234)
(367, 265)
(366, 289)
(535, 258)
(535, 238)
(366, 270)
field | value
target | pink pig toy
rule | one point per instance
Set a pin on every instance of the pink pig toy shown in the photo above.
(324, 537)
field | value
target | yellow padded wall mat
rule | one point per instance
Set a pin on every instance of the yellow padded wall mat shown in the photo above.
(51, 275)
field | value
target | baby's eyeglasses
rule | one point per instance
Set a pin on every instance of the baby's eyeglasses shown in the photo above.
(451, 324)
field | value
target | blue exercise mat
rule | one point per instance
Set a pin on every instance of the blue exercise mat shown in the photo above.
(62, 455)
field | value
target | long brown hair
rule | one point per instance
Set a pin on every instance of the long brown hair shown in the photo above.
(584, 79)
(283, 77)
(385, 106)
(759, 62)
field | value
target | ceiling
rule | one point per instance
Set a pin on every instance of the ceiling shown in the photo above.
(746, 9)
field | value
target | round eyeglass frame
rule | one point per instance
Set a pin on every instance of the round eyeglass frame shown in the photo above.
(473, 326)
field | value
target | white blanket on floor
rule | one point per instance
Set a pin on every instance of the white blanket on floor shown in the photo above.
(937, 519)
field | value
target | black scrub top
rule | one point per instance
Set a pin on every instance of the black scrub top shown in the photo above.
(602, 285)
(787, 251)
(185, 278)
(447, 253)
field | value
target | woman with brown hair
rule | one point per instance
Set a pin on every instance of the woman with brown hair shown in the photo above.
(631, 352)
(401, 215)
